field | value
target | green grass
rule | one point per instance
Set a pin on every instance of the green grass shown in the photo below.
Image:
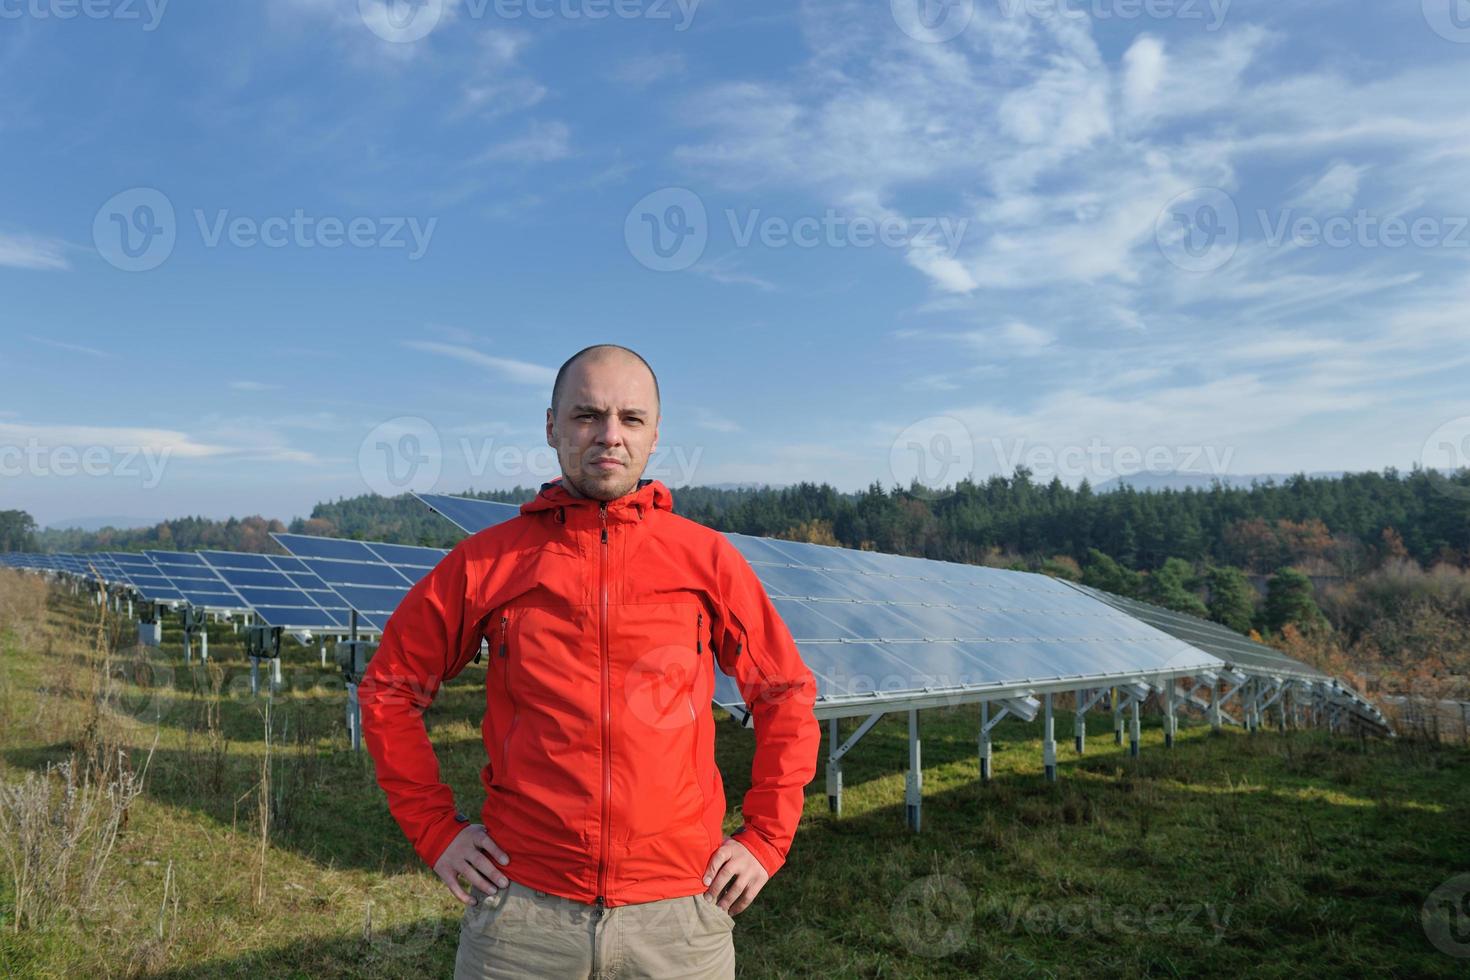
(1230, 854)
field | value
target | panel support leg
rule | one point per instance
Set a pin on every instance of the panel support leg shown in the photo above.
(913, 788)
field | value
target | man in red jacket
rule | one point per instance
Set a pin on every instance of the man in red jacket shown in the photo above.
(602, 850)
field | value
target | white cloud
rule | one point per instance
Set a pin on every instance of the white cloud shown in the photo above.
(520, 372)
(28, 252)
(646, 70)
(1334, 192)
(1144, 70)
(544, 142)
(69, 347)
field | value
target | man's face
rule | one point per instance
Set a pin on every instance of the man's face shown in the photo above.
(608, 410)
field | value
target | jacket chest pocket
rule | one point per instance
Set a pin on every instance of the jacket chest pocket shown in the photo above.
(543, 687)
(662, 680)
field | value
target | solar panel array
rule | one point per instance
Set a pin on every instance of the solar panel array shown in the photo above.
(884, 627)
(873, 628)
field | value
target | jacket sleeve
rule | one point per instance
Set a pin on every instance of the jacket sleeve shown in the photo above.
(756, 649)
(427, 641)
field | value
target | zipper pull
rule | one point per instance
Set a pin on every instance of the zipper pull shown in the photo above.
(699, 634)
(602, 512)
(503, 620)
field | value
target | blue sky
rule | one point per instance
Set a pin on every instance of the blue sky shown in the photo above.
(257, 255)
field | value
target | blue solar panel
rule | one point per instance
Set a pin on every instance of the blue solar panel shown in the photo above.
(275, 597)
(468, 514)
(310, 546)
(408, 555)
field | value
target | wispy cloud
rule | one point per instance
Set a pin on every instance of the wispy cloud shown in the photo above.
(253, 386)
(69, 347)
(521, 372)
(28, 252)
(543, 142)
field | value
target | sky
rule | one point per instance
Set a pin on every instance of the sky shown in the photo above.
(254, 256)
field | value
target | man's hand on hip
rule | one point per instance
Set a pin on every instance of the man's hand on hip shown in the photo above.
(734, 877)
(469, 855)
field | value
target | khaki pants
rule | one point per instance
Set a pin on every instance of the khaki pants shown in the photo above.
(523, 933)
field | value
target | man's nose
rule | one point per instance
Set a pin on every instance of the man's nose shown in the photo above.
(611, 434)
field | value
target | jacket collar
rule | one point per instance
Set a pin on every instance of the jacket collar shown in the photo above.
(631, 507)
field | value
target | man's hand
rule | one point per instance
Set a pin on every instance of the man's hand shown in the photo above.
(736, 873)
(469, 855)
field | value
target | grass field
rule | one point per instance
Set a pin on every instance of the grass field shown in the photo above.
(1232, 854)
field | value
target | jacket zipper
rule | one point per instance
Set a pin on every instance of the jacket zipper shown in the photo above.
(515, 714)
(606, 724)
(699, 633)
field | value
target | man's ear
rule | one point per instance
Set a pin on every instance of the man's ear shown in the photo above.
(550, 425)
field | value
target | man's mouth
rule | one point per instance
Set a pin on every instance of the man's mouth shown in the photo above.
(607, 464)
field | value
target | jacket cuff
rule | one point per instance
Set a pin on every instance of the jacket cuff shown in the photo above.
(767, 855)
(436, 840)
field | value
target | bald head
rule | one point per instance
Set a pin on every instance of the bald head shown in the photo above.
(600, 352)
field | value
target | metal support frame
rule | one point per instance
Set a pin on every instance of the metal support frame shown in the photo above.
(264, 643)
(1085, 702)
(835, 753)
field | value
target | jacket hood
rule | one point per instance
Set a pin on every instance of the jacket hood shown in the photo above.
(648, 496)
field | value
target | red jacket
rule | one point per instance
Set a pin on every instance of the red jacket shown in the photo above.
(604, 623)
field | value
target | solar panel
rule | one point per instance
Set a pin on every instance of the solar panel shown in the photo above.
(467, 513)
(272, 588)
(198, 583)
(1223, 642)
(145, 577)
(871, 624)
(369, 577)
